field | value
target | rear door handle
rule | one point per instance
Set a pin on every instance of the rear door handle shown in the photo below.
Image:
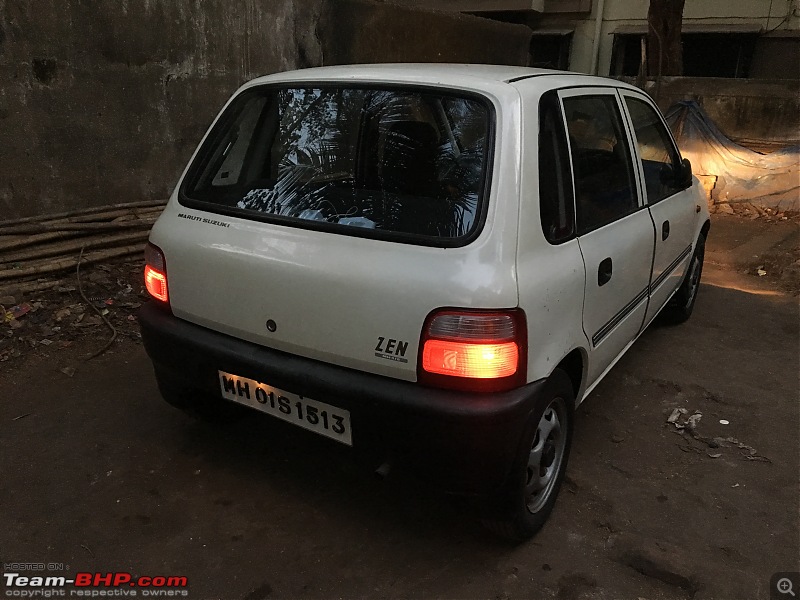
(604, 272)
(665, 231)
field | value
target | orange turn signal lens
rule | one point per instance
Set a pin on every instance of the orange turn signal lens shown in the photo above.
(475, 360)
(156, 283)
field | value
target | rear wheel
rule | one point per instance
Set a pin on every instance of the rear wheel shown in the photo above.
(681, 306)
(521, 509)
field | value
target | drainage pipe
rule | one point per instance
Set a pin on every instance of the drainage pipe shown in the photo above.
(598, 26)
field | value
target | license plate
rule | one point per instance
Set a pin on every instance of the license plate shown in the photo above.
(321, 418)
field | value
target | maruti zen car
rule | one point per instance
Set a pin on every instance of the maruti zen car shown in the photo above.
(432, 264)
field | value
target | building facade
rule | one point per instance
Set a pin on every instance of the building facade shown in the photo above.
(757, 39)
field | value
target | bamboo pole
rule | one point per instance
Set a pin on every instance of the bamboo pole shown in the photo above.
(110, 215)
(23, 241)
(114, 215)
(83, 227)
(62, 248)
(65, 263)
(135, 214)
(83, 211)
(128, 213)
(28, 287)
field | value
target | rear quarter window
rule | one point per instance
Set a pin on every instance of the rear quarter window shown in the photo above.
(556, 203)
(408, 165)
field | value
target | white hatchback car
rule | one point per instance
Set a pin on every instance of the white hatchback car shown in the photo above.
(433, 264)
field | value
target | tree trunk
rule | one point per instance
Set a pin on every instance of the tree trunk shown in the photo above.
(665, 56)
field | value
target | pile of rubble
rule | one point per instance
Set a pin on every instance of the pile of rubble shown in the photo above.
(754, 211)
(82, 325)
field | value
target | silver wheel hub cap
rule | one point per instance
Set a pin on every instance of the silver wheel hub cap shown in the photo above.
(546, 456)
(694, 279)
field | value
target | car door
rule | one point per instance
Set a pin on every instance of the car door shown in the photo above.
(670, 201)
(615, 231)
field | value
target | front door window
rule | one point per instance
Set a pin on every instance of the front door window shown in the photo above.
(605, 188)
(660, 159)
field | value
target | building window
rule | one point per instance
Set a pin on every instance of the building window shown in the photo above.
(551, 50)
(705, 54)
(626, 55)
(718, 54)
(777, 56)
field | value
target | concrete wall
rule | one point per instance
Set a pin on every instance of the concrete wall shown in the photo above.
(104, 102)
(390, 33)
(758, 113)
(475, 6)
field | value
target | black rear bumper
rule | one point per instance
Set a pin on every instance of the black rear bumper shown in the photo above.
(464, 442)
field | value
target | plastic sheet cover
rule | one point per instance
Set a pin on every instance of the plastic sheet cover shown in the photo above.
(743, 175)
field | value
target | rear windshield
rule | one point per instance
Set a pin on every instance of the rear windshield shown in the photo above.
(375, 162)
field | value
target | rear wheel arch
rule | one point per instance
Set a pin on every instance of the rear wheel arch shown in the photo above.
(574, 365)
(705, 229)
(681, 305)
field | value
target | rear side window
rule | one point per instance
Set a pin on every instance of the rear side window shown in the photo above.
(375, 162)
(601, 159)
(556, 204)
(660, 159)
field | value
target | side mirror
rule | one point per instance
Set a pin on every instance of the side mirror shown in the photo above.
(669, 175)
(685, 175)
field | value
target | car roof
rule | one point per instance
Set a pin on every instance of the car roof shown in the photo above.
(473, 76)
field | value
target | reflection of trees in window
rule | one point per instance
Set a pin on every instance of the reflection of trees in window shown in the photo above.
(391, 160)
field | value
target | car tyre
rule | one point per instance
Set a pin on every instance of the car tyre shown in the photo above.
(203, 407)
(524, 504)
(682, 304)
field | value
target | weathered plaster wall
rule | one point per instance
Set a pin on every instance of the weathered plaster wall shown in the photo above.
(384, 32)
(761, 113)
(104, 102)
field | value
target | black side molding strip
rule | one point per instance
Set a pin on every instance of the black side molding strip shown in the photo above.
(626, 310)
(668, 271)
(617, 318)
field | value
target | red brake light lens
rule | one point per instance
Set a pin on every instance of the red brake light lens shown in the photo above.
(156, 283)
(155, 273)
(472, 350)
(480, 361)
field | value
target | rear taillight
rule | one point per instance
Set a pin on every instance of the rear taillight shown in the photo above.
(474, 350)
(155, 273)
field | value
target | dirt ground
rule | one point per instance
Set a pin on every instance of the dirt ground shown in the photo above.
(101, 475)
